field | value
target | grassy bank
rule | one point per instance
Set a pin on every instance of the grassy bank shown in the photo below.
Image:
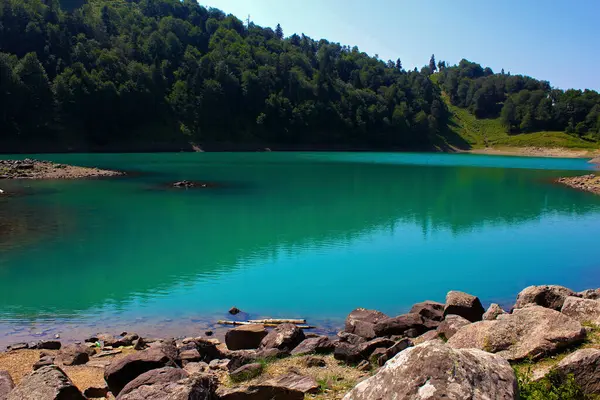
(467, 132)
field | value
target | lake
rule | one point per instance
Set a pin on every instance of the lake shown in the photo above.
(311, 235)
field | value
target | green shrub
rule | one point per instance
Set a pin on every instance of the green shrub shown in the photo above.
(552, 387)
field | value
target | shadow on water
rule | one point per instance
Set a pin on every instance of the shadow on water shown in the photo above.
(109, 244)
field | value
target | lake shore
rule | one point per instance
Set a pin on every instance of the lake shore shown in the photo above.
(555, 152)
(37, 169)
(588, 183)
(541, 341)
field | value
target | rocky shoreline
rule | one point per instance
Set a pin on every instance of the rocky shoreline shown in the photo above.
(548, 343)
(588, 183)
(37, 169)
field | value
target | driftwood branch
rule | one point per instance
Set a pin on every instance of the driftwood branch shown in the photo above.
(277, 321)
(222, 322)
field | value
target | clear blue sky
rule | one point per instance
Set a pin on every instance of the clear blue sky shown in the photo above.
(553, 40)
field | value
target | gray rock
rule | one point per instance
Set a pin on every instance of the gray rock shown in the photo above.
(433, 370)
(450, 325)
(361, 322)
(318, 345)
(592, 294)
(219, 364)
(582, 310)
(283, 337)
(75, 354)
(493, 312)
(431, 310)
(153, 377)
(400, 324)
(246, 372)
(531, 332)
(195, 387)
(6, 384)
(584, 365)
(196, 367)
(122, 371)
(245, 337)
(549, 296)
(465, 305)
(47, 383)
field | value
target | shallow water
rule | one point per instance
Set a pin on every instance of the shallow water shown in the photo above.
(309, 235)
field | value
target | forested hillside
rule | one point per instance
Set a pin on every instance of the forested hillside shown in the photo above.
(102, 72)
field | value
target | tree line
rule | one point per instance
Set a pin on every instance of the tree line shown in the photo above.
(112, 70)
(106, 71)
(524, 104)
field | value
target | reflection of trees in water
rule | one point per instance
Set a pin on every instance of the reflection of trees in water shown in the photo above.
(200, 235)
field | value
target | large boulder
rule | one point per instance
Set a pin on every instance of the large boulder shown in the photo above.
(354, 353)
(400, 324)
(6, 384)
(47, 383)
(195, 387)
(292, 382)
(431, 310)
(390, 352)
(584, 365)
(582, 310)
(450, 325)
(122, 371)
(259, 393)
(361, 322)
(351, 338)
(592, 294)
(245, 337)
(284, 337)
(434, 370)
(549, 296)
(153, 377)
(465, 305)
(318, 345)
(75, 354)
(493, 312)
(531, 332)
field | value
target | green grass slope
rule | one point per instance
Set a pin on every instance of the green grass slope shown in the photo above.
(467, 132)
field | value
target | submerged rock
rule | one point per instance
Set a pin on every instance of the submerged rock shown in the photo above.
(434, 370)
(531, 332)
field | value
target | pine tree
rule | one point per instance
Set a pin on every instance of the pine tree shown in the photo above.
(399, 65)
(279, 32)
(432, 65)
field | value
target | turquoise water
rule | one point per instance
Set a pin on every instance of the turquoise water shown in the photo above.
(310, 235)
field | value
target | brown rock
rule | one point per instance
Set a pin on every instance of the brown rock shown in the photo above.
(259, 393)
(245, 337)
(361, 322)
(246, 372)
(234, 311)
(427, 336)
(283, 337)
(122, 371)
(592, 294)
(196, 367)
(48, 345)
(153, 377)
(399, 325)
(318, 345)
(293, 383)
(43, 362)
(96, 392)
(191, 355)
(75, 354)
(549, 296)
(493, 312)
(392, 351)
(584, 365)
(364, 366)
(351, 338)
(199, 386)
(429, 310)
(6, 384)
(451, 325)
(348, 353)
(582, 310)
(47, 383)
(422, 372)
(312, 361)
(465, 305)
(531, 332)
